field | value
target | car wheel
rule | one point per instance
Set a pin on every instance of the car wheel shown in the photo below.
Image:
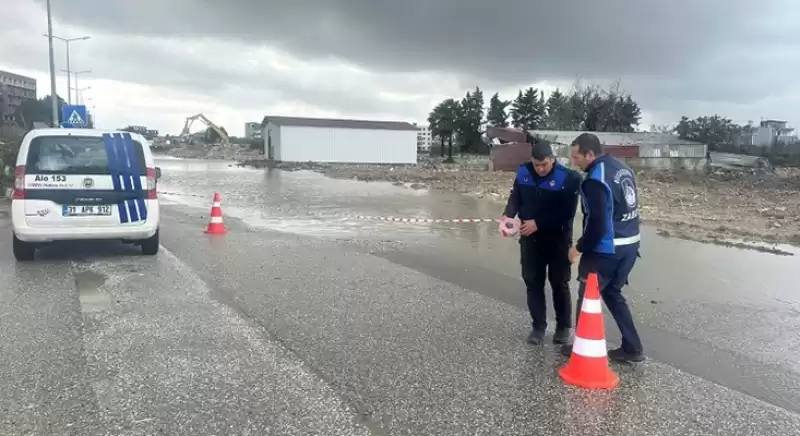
(150, 245)
(23, 251)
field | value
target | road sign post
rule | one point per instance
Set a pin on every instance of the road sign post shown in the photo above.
(74, 116)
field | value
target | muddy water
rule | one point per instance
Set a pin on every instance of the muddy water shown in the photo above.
(309, 203)
(690, 298)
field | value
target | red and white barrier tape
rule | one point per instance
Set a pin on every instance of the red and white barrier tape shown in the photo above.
(429, 220)
(375, 218)
(183, 194)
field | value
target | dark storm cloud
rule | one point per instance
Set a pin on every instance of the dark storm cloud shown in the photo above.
(675, 57)
(509, 40)
(200, 68)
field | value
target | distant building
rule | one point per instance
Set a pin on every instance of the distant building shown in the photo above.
(253, 130)
(769, 131)
(14, 90)
(424, 138)
(290, 139)
(642, 149)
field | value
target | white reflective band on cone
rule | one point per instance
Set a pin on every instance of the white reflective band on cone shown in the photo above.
(216, 220)
(629, 240)
(589, 347)
(216, 204)
(591, 306)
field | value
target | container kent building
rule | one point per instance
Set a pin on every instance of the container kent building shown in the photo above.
(291, 139)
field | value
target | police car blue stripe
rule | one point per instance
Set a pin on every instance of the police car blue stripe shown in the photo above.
(113, 167)
(125, 166)
(137, 176)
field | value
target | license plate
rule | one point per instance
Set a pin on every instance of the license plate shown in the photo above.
(101, 210)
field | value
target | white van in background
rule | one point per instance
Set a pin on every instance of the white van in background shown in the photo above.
(84, 184)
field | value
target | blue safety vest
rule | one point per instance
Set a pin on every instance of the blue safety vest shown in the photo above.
(622, 212)
(552, 182)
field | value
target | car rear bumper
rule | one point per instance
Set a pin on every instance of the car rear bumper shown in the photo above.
(52, 234)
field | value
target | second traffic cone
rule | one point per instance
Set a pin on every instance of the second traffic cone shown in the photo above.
(588, 365)
(215, 225)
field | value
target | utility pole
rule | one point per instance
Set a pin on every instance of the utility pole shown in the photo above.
(68, 71)
(53, 95)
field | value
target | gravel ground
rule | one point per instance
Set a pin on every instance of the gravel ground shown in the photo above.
(724, 207)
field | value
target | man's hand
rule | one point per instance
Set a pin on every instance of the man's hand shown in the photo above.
(573, 254)
(528, 228)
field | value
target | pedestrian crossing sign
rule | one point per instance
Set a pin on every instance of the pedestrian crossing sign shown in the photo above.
(74, 116)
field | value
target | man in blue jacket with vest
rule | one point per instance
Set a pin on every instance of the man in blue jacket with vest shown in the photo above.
(610, 242)
(545, 197)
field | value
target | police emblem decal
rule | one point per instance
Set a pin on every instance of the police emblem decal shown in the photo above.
(88, 182)
(629, 191)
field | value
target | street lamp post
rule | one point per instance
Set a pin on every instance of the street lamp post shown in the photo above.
(79, 94)
(66, 42)
(76, 73)
(53, 98)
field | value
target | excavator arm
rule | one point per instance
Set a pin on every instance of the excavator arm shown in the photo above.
(224, 139)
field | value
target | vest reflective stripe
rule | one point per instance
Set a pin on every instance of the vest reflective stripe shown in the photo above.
(628, 241)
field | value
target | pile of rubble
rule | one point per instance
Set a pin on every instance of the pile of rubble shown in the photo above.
(218, 152)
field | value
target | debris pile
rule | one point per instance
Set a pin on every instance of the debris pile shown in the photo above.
(749, 205)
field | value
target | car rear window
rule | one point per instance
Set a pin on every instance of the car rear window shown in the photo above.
(77, 155)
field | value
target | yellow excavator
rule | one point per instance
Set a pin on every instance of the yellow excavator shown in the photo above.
(223, 137)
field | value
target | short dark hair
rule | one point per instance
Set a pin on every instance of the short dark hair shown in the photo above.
(587, 142)
(541, 150)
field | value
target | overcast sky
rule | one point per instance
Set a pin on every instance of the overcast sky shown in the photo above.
(154, 62)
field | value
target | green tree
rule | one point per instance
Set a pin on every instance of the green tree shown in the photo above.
(443, 121)
(528, 110)
(32, 111)
(603, 110)
(469, 121)
(497, 115)
(716, 131)
(559, 112)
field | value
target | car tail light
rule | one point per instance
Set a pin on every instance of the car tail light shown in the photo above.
(152, 193)
(19, 183)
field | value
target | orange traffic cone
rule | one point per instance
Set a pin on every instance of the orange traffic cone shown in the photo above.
(588, 365)
(215, 225)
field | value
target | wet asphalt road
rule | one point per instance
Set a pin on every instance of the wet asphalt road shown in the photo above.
(375, 328)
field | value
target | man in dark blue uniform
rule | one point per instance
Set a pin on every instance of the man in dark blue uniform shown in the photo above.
(610, 242)
(545, 196)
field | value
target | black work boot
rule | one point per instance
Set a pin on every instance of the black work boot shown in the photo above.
(620, 355)
(562, 335)
(536, 337)
(566, 350)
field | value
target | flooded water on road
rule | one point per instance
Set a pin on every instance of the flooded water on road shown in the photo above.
(309, 203)
(739, 300)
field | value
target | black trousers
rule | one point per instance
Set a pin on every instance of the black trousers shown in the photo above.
(612, 275)
(547, 259)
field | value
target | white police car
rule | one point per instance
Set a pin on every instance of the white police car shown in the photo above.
(84, 184)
